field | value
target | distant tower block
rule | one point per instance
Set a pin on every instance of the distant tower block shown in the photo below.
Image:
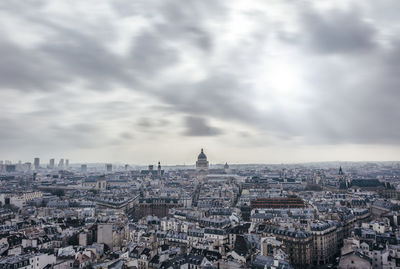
(36, 163)
(66, 163)
(83, 168)
(61, 163)
(52, 164)
(202, 163)
(109, 167)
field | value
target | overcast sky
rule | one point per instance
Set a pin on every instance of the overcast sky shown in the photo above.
(249, 81)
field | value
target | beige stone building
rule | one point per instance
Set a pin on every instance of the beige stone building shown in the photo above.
(297, 244)
(325, 244)
(355, 260)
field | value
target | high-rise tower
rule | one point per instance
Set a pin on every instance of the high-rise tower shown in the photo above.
(36, 163)
(83, 168)
(51, 163)
(108, 167)
(61, 163)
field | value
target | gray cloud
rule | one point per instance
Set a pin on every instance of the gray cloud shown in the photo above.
(147, 123)
(81, 134)
(221, 95)
(127, 135)
(196, 126)
(351, 76)
(150, 54)
(144, 122)
(338, 32)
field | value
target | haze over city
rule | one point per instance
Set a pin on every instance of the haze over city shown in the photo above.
(251, 82)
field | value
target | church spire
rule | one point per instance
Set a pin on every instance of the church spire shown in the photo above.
(341, 171)
(159, 173)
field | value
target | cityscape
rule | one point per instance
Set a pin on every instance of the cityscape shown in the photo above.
(200, 134)
(200, 215)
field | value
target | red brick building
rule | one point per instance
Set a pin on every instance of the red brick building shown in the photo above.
(278, 202)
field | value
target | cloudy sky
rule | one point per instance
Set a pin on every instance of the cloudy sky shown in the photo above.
(250, 81)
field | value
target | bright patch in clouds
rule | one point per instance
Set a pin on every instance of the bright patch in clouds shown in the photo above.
(142, 81)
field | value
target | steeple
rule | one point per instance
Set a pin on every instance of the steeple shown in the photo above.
(341, 171)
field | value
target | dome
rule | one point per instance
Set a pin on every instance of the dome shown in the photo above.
(202, 156)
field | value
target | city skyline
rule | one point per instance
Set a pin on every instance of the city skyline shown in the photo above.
(50, 163)
(201, 134)
(261, 82)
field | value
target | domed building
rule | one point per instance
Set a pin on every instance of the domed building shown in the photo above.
(226, 168)
(202, 163)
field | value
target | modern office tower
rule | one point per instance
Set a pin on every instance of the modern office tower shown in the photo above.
(36, 163)
(83, 168)
(126, 167)
(61, 163)
(66, 163)
(108, 167)
(52, 164)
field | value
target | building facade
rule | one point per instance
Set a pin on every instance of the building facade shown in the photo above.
(202, 163)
